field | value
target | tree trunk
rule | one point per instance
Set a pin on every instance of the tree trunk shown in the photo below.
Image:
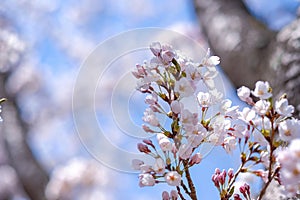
(31, 176)
(249, 51)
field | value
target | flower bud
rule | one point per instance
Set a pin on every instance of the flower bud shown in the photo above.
(143, 148)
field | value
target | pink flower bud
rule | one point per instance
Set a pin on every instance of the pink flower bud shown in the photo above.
(165, 195)
(217, 171)
(147, 129)
(195, 159)
(230, 174)
(149, 142)
(143, 148)
(237, 197)
(174, 195)
(214, 178)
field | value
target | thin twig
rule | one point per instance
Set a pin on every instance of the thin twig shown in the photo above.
(179, 193)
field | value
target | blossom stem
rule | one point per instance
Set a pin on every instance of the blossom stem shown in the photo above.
(192, 194)
(179, 193)
(270, 175)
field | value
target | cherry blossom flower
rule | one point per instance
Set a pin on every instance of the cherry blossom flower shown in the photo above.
(283, 108)
(146, 180)
(238, 130)
(229, 144)
(140, 71)
(145, 168)
(176, 107)
(289, 129)
(227, 110)
(173, 178)
(195, 140)
(136, 164)
(262, 107)
(243, 93)
(185, 151)
(210, 61)
(151, 99)
(149, 117)
(262, 90)
(247, 115)
(155, 47)
(188, 118)
(204, 99)
(164, 53)
(259, 138)
(192, 72)
(159, 165)
(165, 144)
(184, 88)
(208, 78)
(289, 160)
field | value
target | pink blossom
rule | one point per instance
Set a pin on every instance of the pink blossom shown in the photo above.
(238, 130)
(151, 99)
(184, 87)
(173, 178)
(192, 72)
(176, 107)
(204, 99)
(259, 138)
(213, 61)
(228, 110)
(146, 180)
(262, 107)
(247, 114)
(262, 90)
(136, 164)
(149, 117)
(244, 93)
(289, 129)
(165, 144)
(283, 108)
(188, 118)
(159, 165)
(210, 61)
(145, 168)
(155, 47)
(195, 140)
(208, 78)
(229, 144)
(185, 151)
(289, 160)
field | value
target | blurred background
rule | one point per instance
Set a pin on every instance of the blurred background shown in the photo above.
(42, 46)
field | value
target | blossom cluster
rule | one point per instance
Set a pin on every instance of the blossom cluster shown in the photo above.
(260, 130)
